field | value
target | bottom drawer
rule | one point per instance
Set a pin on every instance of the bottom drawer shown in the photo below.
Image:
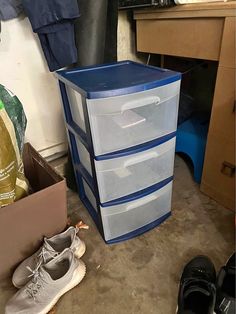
(121, 219)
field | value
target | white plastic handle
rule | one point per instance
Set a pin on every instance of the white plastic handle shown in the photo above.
(138, 159)
(141, 202)
(140, 103)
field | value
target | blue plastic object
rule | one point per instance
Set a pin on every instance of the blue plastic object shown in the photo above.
(137, 149)
(119, 78)
(191, 139)
(140, 230)
(109, 80)
(139, 194)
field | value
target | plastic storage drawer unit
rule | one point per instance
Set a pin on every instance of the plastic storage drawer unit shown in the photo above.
(121, 176)
(121, 121)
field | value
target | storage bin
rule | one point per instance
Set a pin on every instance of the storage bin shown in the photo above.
(120, 122)
(126, 101)
(126, 218)
(122, 219)
(118, 177)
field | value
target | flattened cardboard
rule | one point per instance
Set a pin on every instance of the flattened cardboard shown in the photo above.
(24, 223)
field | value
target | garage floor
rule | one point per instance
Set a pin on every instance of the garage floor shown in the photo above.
(141, 275)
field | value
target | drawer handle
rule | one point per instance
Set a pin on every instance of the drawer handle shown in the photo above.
(140, 103)
(228, 169)
(141, 158)
(141, 202)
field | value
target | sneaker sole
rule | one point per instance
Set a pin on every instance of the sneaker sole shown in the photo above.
(80, 250)
(78, 276)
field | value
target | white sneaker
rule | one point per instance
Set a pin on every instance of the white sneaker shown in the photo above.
(51, 248)
(48, 283)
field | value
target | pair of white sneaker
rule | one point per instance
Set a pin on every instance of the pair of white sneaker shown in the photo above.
(48, 274)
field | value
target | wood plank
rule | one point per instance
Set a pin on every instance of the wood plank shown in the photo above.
(221, 141)
(216, 184)
(228, 53)
(194, 38)
(185, 14)
(223, 108)
(216, 6)
(218, 196)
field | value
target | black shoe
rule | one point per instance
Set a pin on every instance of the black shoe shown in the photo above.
(225, 299)
(197, 290)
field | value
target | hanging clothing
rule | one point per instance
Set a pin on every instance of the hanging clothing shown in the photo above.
(9, 9)
(53, 21)
(96, 32)
(110, 49)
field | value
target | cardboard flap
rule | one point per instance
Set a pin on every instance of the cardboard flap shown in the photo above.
(37, 170)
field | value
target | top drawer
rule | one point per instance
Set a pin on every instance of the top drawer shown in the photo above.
(121, 122)
(124, 104)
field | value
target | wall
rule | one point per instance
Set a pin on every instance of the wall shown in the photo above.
(24, 71)
(127, 38)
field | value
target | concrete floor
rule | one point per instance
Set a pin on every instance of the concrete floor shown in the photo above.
(142, 275)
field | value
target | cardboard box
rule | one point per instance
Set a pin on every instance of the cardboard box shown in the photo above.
(24, 223)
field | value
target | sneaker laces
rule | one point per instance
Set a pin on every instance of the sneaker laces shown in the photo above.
(201, 274)
(204, 280)
(42, 256)
(36, 282)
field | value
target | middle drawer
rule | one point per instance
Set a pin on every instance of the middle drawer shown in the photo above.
(122, 176)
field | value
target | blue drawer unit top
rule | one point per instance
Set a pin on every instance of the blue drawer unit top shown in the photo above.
(115, 79)
(121, 121)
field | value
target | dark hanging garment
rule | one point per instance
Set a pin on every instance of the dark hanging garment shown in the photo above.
(53, 21)
(9, 9)
(110, 50)
(96, 32)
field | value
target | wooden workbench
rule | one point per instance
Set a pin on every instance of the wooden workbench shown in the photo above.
(202, 31)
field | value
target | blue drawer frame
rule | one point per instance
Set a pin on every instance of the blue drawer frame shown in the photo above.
(73, 130)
